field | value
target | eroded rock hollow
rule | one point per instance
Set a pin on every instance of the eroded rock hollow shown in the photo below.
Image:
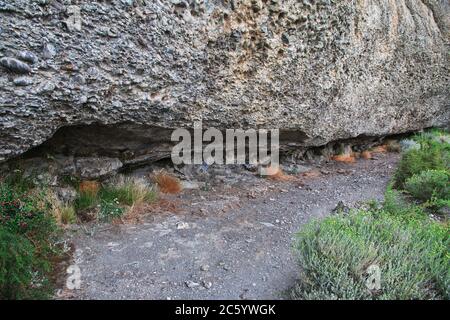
(327, 69)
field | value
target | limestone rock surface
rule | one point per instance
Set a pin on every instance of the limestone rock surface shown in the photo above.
(320, 70)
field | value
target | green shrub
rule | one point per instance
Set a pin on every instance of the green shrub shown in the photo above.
(396, 205)
(428, 184)
(25, 212)
(16, 264)
(433, 136)
(29, 235)
(432, 155)
(335, 253)
(18, 181)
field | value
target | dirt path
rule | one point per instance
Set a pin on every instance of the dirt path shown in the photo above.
(233, 243)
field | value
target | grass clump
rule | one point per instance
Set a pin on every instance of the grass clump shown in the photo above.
(128, 191)
(335, 254)
(85, 201)
(396, 204)
(113, 200)
(67, 214)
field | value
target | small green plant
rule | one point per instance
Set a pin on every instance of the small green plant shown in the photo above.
(433, 136)
(110, 210)
(69, 180)
(428, 184)
(17, 180)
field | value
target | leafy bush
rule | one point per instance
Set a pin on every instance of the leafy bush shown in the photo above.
(335, 253)
(428, 184)
(432, 155)
(28, 236)
(25, 213)
(16, 264)
(396, 205)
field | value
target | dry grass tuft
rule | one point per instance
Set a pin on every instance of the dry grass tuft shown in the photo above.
(311, 173)
(275, 173)
(346, 158)
(62, 212)
(138, 212)
(89, 187)
(67, 214)
(133, 191)
(380, 149)
(366, 155)
(166, 182)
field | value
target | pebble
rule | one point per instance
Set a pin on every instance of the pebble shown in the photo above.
(204, 267)
(182, 225)
(191, 284)
(27, 56)
(267, 224)
(15, 65)
(190, 185)
(23, 81)
(48, 51)
(47, 87)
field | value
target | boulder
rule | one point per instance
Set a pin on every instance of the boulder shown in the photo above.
(318, 70)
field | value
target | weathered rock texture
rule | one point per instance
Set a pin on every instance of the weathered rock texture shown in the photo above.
(320, 69)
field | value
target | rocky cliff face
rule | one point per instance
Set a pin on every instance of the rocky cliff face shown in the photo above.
(123, 72)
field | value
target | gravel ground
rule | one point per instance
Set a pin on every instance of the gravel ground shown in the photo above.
(224, 243)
